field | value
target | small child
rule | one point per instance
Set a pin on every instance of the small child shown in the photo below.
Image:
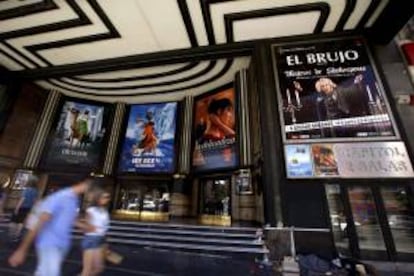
(95, 227)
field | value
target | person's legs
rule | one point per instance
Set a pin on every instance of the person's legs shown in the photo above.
(98, 261)
(91, 248)
(49, 261)
(87, 265)
(18, 219)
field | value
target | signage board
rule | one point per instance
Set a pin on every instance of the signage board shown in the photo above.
(328, 91)
(348, 160)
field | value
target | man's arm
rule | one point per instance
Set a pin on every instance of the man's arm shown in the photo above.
(18, 257)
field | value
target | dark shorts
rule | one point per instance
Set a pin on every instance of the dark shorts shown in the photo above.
(21, 215)
(92, 242)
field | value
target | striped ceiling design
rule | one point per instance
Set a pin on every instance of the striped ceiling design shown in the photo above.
(49, 35)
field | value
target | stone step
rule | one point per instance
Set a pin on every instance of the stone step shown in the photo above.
(182, 238)
(246, 230)
(178, 231)
(189, 247)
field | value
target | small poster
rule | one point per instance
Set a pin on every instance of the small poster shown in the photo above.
(298, 161)
(22, 178)
(324, 160)
(244, 185)
(149, 144)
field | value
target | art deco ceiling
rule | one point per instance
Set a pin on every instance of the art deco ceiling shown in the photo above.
(38, 35)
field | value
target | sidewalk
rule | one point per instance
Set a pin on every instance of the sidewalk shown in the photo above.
(144, 261)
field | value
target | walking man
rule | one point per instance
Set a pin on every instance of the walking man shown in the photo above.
(52, 233)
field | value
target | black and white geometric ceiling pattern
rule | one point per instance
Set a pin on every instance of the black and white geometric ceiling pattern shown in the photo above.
(36, 34)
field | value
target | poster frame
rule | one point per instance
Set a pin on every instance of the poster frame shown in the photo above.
(377, 75)
(285, 163)
(194, 169)
(121, 140)
(103, 152)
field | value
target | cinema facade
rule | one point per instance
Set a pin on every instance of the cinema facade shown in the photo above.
(305, 134)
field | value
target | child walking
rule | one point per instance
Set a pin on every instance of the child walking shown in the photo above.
(96, 225)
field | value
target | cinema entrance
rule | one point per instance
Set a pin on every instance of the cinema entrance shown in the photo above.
(142, 200)
(215, 200)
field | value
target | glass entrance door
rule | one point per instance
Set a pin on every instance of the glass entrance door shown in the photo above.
(215, 201)
(142, 201)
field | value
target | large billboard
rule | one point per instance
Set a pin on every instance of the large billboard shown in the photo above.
(149, 144)
(214, 131)
(329, 90)
(77, 138)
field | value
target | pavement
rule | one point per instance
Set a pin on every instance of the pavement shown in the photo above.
(143, 261)
(148, 261)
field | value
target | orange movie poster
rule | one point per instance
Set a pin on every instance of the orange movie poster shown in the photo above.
(324, 160)
(214, 131)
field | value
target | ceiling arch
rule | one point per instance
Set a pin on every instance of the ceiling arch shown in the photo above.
(43, 36)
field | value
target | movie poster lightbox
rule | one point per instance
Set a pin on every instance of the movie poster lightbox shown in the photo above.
(149, 140)
(214, 131)
(78, 136)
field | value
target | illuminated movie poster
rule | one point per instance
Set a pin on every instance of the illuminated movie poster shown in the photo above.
(150, 138)
(329, 90)
(214, 131)
(78, 136)
(324, 160)
(298, 161)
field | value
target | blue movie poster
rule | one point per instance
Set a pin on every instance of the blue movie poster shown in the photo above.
(298, 161)
(78, 137)
(150, 138)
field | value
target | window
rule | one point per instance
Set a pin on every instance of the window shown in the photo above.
(400, 217)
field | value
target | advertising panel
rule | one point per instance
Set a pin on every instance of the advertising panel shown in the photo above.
(329, 90)
(324, 162)
(214, 131)
(349, 160)
(22, 179)
(375, 160)
(298, 161)
(150, 139)
(77, 138)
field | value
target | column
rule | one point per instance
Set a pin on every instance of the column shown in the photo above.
(111, 152)
(270, 133)
(43, 127)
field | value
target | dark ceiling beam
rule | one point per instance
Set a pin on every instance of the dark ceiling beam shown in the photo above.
(216, 76)
(322, 7)
(393, 18)
(137, 61)
(25, 10)
(6, 76)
